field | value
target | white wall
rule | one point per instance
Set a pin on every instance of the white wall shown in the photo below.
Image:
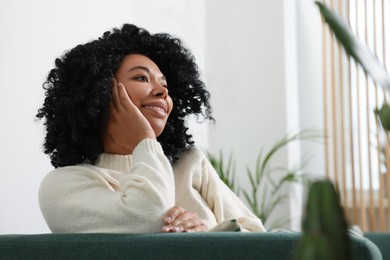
(33, 34)
(309, 42)
(246, 72)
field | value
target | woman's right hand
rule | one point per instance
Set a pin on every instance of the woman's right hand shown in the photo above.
(126, 126)
(177, 219)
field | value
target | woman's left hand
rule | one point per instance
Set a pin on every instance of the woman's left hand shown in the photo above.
(177, 219)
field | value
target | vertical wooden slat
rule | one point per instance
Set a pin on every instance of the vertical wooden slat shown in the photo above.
(325, 94)
(354, 215)
(381, 212)
(386, 149)
(371, 213)
(363, 217)
(387, 180)
(342, 120)
(333, 106)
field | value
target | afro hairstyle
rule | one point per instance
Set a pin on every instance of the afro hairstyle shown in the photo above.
(78, 93)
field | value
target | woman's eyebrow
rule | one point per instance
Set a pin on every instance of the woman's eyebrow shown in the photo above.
(145, 69)
(139, 67)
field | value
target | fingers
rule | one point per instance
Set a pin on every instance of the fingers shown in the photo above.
(173, 213)
(201, 228)
(120, 97)
(124, 98)
(171, 229)
(178, 219)
(183, 223)
(188, 219)
(115, 96)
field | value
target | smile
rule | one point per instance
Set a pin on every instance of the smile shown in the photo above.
(157, 109)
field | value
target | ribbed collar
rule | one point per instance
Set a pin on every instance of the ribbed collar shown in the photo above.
(115, 162)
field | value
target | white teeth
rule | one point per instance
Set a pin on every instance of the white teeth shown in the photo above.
(155, 108)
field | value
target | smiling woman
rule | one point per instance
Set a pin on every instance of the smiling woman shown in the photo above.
(116, 113)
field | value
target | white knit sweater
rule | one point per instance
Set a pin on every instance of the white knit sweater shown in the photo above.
(130, 194)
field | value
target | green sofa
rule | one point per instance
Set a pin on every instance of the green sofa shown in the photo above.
(219, 245)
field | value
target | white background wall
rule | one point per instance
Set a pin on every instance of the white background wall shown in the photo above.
(246, 72)
(246, 50)
(309, 51)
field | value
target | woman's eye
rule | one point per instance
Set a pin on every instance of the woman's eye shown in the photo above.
(141, 78)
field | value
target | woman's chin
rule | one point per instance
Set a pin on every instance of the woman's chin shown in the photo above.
(158, 129)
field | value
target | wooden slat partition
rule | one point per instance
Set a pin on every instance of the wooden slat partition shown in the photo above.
(357, 150)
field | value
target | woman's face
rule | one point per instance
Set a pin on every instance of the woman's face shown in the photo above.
(147, 88)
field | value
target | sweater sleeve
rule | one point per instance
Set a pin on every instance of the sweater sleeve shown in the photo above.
(222, 201)
(76, 200)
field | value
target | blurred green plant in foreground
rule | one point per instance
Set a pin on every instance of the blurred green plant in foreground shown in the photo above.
(325, 235)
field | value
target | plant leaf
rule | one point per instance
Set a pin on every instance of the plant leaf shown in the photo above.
(250, 176)
(275, 202)
(354, 47)
(279, 223)
(250, 201)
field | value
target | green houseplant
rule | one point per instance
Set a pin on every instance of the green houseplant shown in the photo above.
(265, 192)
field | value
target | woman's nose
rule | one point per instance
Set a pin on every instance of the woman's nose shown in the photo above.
(160, 90)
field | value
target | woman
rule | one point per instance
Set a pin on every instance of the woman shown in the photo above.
(115, 114)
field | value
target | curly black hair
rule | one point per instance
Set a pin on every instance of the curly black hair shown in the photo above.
(78, 93)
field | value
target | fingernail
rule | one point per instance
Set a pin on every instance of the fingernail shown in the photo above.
(178, 229)
(167, 220)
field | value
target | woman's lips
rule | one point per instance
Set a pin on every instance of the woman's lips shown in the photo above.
(159, 107)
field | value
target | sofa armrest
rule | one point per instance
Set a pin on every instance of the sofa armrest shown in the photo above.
(220, 245)
(382, 241)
